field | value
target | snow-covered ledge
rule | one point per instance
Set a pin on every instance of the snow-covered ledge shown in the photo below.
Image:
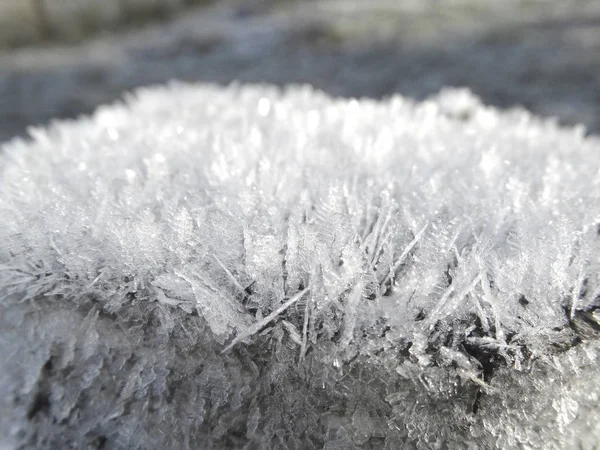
(209, 267)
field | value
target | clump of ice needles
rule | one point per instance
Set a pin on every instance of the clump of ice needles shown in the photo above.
(212, 267)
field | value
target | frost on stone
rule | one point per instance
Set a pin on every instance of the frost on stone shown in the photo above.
(209, 267)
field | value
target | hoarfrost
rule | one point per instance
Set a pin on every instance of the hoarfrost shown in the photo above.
(209, 267)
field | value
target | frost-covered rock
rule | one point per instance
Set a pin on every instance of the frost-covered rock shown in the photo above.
(208, 267)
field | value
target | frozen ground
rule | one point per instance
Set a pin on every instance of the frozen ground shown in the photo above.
(543, 55)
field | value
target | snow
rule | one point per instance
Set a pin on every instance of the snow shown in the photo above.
(210, 267)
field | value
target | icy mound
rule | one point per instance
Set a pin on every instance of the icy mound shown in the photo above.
(213, 268)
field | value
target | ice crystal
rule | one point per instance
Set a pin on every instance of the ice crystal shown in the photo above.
(209, 267)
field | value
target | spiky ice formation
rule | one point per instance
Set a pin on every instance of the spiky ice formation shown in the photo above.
(207, 267)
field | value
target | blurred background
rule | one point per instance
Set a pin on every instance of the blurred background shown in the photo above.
(63, 58)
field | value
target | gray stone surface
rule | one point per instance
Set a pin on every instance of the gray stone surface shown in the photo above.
(542, 55)
(26, 22)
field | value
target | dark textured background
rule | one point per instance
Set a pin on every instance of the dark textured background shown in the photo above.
(543, 55)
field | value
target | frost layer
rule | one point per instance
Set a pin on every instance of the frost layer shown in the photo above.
(207, 267)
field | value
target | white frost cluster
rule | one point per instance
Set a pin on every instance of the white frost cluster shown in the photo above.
(208, 267)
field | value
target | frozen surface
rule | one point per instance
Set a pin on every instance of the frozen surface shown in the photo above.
(208, 267)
